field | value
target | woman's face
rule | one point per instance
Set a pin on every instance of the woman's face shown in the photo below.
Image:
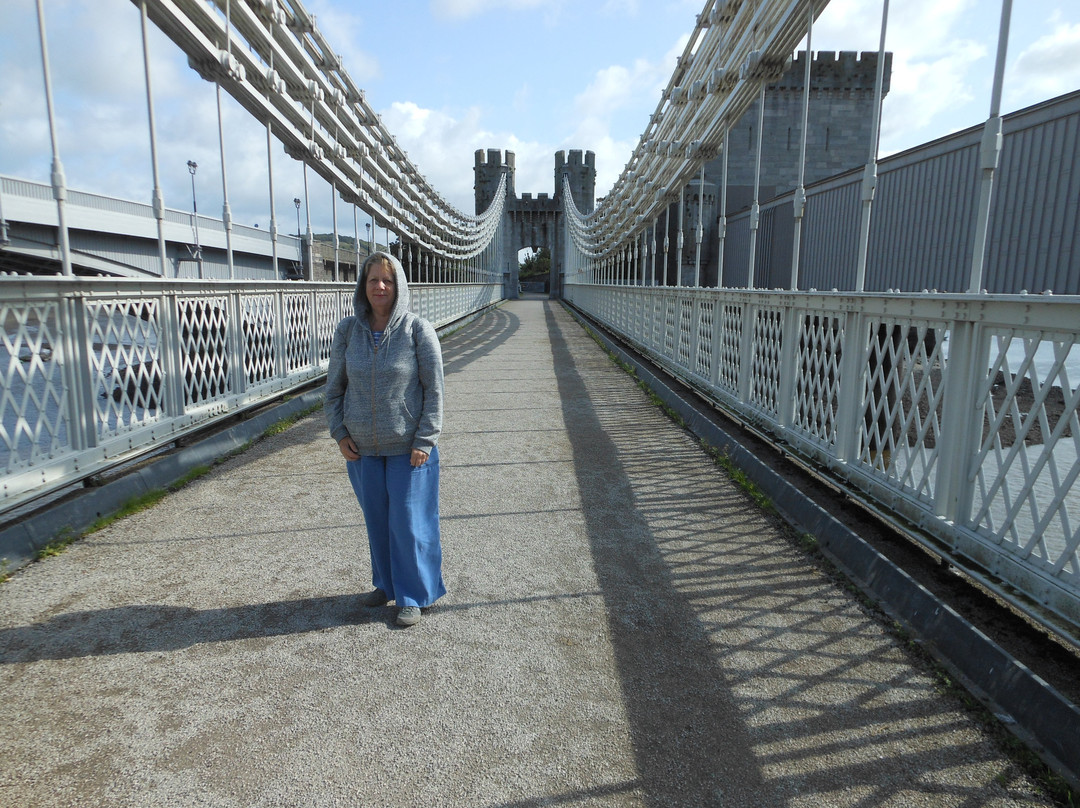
(380, 287)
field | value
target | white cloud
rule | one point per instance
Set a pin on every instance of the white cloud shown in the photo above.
(441, 146)
(918, 28)
(1049, 67)
(922, 89)
(935, 60)
(615, 90)
(347, 34)
(463, 9)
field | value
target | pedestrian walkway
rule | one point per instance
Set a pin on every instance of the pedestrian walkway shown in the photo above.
(623, 628)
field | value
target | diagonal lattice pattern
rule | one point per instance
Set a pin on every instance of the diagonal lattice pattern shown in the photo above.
(671, 326)
(903, 397)
(765, 359)
(33, 410)
(685, 333)
(730, 340)
(703, 358)
(258, 323)
(93, 372)
(297, 311)
(126, 372)
(817, 379)
(1026, 462)
(329, 310)
(204, 348)
(963, 421)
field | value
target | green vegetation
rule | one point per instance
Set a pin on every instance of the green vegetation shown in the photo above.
(280, 426)
(740, 478)
(537, 267)
(57, 545)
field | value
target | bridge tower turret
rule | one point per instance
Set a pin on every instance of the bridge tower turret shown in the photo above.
(489, 169)
(582, 176)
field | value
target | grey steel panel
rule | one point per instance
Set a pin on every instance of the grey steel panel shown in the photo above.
(923, 216)
(831, 238)
(736, 251)
(1035, 243)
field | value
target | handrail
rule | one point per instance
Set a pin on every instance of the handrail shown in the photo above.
(100, 371)
(957, 414)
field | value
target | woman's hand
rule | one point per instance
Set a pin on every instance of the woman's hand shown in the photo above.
(418, 458)
(348, 448)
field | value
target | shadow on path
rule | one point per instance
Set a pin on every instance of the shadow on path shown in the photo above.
(484, 335)
(684, 726)
(145, 628)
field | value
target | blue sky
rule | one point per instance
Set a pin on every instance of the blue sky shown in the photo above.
(452, 76)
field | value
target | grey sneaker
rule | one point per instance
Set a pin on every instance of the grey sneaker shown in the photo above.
(376, 597)
(408, 616)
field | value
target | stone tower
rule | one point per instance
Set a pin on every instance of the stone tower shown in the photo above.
(488, 170)
(837, 140)
(534, 222)
(582, 176)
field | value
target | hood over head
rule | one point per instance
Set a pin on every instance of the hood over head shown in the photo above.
(401, 304)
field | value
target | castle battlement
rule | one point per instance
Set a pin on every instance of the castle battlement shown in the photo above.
(573, 159)
(846, 70)
(493, 158)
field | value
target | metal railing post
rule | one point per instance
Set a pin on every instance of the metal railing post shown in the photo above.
(237, 342)
(850, 399)
(169, 348)
(746, 352)
(961, 421)
(785, 397)
(77, 372)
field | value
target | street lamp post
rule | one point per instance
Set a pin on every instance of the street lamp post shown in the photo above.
(192, 167)
(371, 249)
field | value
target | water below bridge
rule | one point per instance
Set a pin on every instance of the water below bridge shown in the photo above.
(624, 627)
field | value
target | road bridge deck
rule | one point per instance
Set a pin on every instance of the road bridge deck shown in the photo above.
(623, 627)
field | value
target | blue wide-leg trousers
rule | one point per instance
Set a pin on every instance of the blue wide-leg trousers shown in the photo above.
(401, 509)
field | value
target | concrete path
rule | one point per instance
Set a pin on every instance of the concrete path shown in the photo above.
(623, 628)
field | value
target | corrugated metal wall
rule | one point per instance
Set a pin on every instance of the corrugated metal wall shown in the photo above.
(923, 220)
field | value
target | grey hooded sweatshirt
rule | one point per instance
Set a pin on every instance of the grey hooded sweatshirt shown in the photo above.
(388, 399)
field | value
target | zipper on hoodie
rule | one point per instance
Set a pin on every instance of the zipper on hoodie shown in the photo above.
(374, 423)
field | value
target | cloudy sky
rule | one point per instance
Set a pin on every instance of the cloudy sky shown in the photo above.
(453, 76)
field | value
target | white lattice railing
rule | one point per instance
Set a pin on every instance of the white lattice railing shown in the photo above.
(958, 413)
(95, 372)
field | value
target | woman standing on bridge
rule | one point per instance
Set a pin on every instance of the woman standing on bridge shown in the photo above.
(384, 395)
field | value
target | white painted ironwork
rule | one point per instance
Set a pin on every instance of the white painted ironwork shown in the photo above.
(990, 154)
(279, 66)
(93, 372)
(157, 198)
(957, 413)
(59, 183)
(869, 183)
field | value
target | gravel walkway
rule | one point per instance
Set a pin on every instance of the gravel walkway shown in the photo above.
(623, 628)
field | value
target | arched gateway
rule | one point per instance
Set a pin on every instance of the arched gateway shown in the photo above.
(535, 222)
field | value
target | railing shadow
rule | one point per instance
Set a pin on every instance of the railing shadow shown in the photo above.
(673, 693)
(480, 339)
(749, 678)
